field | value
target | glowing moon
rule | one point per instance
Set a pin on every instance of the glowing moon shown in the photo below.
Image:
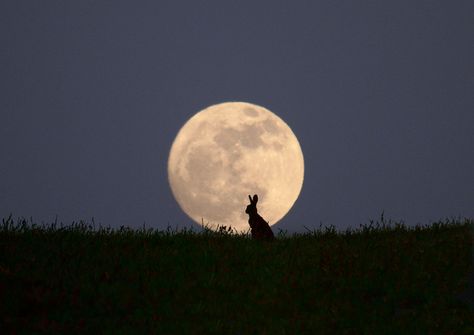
(228, 151)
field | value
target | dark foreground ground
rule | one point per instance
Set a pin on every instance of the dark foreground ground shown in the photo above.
(378, 280)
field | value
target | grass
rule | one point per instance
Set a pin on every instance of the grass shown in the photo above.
(384, 278)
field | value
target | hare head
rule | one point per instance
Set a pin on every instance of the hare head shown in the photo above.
(252, 208)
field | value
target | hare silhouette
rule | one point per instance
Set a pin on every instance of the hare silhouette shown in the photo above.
(258, 226)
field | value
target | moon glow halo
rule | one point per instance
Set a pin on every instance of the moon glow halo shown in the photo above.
(228, 151)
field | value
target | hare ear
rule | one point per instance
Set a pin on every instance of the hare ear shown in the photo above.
(250, 199)
(255, 198)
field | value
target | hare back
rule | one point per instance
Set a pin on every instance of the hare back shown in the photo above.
(260, 228)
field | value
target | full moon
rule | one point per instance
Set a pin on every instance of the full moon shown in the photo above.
(228, 151)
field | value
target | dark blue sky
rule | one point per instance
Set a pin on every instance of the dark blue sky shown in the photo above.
(379, 94)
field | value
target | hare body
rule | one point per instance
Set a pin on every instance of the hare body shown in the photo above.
(258, 226)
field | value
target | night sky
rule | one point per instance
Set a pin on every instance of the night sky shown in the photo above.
(379, 93)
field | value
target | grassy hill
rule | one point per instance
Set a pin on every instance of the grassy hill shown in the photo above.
(381, 279)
